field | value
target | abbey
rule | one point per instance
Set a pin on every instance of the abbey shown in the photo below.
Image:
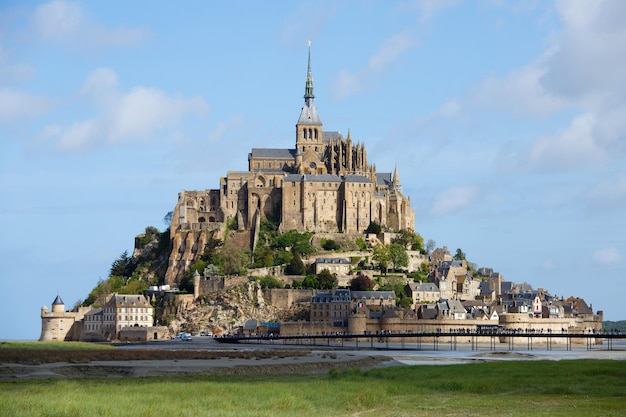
(324, 184)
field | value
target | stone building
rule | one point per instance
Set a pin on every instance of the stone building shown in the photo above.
(120, 313)
(324, 184)
(59, 324)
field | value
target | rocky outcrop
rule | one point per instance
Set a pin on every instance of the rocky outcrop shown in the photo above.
(224, 310)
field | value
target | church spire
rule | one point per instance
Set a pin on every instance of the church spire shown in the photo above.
(308, 90)
(309, 116)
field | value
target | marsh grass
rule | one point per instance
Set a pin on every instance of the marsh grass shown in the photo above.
(535, 388)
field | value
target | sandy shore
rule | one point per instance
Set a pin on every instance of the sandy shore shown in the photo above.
(258, 360)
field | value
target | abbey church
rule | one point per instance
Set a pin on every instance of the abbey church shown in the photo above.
(324, 184)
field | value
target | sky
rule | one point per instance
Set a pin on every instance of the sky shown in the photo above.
(505, 120)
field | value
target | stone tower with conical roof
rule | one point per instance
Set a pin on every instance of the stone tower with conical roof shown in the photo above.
(59, 324)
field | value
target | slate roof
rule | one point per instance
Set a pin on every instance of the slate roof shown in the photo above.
(58, 301)
(383, 178)
(332, 261)
(274, 153)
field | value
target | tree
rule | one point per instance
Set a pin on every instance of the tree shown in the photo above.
(398, 256)
(430, 245)
(361, 283)
(326, 279)
(459, 255)
(374, 228)
(167, 219)
(121, 267)
(409, 239)
(330, 244)
(296, 266)
(381, 257)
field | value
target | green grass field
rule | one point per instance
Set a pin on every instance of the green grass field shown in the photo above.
(506, 388)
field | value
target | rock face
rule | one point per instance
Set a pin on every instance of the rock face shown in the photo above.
(225, 309)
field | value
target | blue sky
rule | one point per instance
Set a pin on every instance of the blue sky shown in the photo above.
(504, 118)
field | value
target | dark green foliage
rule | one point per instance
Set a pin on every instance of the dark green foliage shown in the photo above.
(330, 244)
(270, 282)
(121, 267)
(327, 280)
(459, 255)
(406, 302)
(295, 266)
(310, 281)
(374, 228)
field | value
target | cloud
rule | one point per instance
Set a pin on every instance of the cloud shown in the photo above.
(64, 21)
(520, 91)
(349, 83)
(581, 72)
(607, 256)
(16, 104)
(454, 199)
(137, 114)
(570, 148)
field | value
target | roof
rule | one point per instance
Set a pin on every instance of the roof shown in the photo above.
(375, 294)
(274, 153)
(327, 136)
(58, 301)
(383, 178)
(332, 261)
(340, 295)
(308, 115)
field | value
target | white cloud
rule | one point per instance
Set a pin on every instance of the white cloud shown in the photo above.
(64, 21)
(519, 91)
(350, 83)
(581, 70)
(454, 199)
(17, 104)
(607, 256)
(573, 147)
(138, 114)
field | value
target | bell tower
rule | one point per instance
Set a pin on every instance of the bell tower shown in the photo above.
(309, 126)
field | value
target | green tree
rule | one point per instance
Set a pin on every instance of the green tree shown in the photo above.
(326, 279)
(380, 255)
(122, 266)
(374, 228)
(409, 239)
(263, 257)
(398, 256)
(296, 266)
(330, 244)
(310, 281)
(459, 255)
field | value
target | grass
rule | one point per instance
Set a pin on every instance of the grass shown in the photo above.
(53, 346)
(505, 388)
